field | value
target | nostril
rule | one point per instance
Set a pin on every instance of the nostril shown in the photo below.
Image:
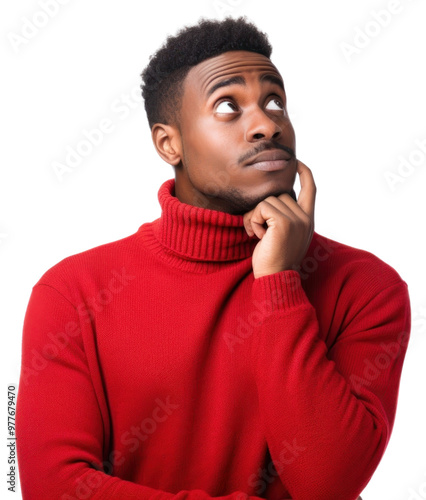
(258, 136)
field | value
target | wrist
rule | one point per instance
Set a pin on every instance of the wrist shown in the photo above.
(260, 274)
(279, 291)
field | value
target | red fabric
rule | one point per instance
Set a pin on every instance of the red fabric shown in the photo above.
(156, 366)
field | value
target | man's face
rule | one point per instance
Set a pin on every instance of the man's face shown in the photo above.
(233, 114)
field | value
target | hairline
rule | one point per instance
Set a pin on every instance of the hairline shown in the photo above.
(174, 119)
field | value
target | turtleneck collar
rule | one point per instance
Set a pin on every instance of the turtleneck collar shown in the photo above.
(200, 234)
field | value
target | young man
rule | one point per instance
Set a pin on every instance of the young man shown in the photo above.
(225, 349)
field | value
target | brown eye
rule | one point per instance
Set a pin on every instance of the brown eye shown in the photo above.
(275, 105)
(226, 107)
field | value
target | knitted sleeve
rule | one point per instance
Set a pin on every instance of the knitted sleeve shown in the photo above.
(328, 412)
(59, 427)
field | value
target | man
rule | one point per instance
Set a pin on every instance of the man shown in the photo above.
(225, 349)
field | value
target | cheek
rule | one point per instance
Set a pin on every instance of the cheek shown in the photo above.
(210, 144)
(289, 131)
(224, 141)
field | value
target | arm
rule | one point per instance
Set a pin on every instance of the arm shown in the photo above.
(328, 414)
(59, 428)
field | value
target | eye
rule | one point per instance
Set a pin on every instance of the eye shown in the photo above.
(226, 107)
(275, 105)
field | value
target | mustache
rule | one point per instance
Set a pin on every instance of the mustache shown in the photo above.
(264, 146)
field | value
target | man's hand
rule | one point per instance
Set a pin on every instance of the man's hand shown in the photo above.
(290, 227)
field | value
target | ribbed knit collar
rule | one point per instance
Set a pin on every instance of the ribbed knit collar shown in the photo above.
(200, 234)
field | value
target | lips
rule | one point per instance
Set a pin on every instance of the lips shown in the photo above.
(271, 155)
(270, 161)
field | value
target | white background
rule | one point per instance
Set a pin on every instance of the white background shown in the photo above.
(355, 118)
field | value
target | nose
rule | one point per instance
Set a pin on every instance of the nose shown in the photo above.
(260, 126)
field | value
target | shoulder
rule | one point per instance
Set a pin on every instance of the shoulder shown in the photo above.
(343, 282)
(343, 265)
(92, 267)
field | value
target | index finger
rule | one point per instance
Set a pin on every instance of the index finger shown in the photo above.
(308, 189)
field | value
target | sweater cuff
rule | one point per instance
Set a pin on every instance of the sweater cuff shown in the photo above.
(279, 291)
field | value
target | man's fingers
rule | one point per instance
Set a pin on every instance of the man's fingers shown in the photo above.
(266, 210)
(274, 208)
(293, 208)
(308, 190)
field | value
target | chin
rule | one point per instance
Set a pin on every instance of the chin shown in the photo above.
(288, 191)
(238, 200)
(274, 190)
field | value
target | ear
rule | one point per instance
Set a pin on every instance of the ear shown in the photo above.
(167, 142)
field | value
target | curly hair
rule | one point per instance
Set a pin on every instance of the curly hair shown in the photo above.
(163, 77)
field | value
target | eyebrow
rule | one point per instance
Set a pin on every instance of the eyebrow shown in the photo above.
(239, 80)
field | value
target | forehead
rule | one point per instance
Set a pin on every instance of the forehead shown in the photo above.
(205, 74)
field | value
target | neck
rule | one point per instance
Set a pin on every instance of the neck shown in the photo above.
(200, 234)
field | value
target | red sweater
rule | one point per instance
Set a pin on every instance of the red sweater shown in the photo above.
(156, 366)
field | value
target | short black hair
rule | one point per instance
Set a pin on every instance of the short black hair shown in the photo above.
(163, 77)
